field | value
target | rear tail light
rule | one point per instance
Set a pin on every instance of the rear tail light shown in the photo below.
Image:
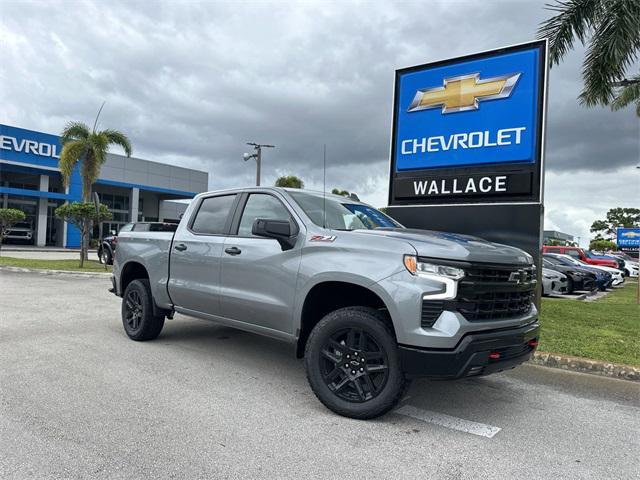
(494, 355)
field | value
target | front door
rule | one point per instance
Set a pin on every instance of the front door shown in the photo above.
(194, 278)
(258, 277)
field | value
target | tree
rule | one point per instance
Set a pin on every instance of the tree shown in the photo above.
(88, 148)
(616, 217)
(554, 242)
(602, 245)
(337, 191)
(82, 215)
(290, 181)
(611, 28)
(8, 218)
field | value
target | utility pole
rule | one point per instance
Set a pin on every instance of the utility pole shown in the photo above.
(258, 156)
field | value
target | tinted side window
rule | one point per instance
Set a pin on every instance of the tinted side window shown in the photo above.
(261, 205)
(572, 253)
(213, 214)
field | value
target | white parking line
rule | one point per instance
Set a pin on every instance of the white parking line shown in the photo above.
(448, 421)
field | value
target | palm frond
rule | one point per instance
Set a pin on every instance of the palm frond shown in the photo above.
(118, 138)
(74, 131)
(99, 147)
(575, 18)
(614, 47)
(627, 95)
(72, 152)
(90, 170)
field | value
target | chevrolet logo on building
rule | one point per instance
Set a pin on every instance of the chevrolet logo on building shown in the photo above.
(464, 93)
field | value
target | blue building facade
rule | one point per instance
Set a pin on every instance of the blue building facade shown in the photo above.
(132, 188)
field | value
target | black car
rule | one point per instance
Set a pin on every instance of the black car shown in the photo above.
(579, 278)
(107, 248)
(604, 280)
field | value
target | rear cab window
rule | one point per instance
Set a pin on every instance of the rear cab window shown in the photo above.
(213, 215)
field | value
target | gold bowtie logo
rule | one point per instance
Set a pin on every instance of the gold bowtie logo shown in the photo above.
(464, 93)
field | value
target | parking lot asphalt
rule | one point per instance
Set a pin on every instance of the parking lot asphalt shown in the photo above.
(80, 400)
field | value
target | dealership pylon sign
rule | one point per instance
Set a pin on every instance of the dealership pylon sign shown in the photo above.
(470, 129)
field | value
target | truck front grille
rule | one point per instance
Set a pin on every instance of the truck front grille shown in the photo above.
(477, 307)
(495, 292)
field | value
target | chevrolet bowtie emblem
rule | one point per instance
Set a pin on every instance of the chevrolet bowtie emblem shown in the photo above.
(464, 93)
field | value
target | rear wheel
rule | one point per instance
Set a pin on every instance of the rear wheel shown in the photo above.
(352, 363)
(107, 256)
(137, 312)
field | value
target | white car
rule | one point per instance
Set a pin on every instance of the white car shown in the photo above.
(617, 275)
(631, 268)
(554, 283)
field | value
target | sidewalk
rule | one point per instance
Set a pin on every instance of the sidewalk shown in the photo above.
(43, 253)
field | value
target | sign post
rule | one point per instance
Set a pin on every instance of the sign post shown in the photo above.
(467, 147)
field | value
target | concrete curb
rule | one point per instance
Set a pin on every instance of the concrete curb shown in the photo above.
(585, 365)
(42, 271)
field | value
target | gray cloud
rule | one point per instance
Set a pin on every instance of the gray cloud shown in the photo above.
(190, 84)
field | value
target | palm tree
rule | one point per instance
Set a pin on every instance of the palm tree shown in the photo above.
(88, 148)
(611, 28)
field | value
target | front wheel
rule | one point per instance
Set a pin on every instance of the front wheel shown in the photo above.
(137, 312)
(352, 363)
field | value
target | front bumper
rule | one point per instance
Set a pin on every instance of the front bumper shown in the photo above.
(474, 355)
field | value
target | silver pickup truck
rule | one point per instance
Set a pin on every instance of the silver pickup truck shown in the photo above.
(368, 303)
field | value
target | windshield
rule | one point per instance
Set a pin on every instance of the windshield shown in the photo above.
(336, 214)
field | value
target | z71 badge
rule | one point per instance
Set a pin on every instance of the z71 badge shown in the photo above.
(322, 238)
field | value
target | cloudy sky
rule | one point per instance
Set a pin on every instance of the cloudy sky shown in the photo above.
(190, 82)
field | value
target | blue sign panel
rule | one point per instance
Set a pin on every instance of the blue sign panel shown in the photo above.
(629, 237)
(28, 146)
(469, 112)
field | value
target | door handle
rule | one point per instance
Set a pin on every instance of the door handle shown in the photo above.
(233, 251)
(181, 247)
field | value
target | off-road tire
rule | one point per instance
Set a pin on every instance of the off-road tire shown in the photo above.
(145, 326)
(374, 323)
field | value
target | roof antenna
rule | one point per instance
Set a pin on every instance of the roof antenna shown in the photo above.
(324, 186)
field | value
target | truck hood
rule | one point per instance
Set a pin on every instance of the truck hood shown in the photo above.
(454, 246)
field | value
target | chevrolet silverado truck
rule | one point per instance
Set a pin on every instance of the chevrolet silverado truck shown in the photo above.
(367, 303)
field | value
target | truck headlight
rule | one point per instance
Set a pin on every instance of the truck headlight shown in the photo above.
(446, 276)
(417, 267)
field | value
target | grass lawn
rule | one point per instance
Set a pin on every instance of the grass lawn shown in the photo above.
(72, 265)
(607, 329)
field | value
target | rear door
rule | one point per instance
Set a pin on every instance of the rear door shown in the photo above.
(258, 277)
(194, 275)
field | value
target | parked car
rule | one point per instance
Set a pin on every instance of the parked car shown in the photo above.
(580, 254)
(579, 279)
(366, 302)
(21, 232)
(631, 267)
(554, 282)
(617, 278)
(107, 248)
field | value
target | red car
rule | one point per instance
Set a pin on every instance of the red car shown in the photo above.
(580, 254)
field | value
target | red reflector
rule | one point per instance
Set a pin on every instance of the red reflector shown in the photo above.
(494, 355)
(533, 343)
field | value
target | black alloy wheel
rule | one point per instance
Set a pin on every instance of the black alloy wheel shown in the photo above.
(354, 367)
(134, 311)
(138, 318)
(352, 362)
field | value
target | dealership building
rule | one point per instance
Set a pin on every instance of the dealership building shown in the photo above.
(132, 188)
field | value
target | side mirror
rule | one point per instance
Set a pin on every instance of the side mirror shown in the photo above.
(279, 230)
